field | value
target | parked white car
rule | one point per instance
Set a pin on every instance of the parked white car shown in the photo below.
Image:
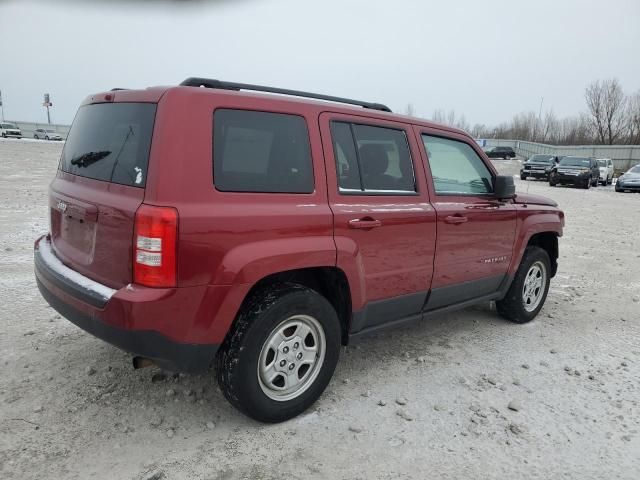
(46, 134)
(10, 130)
(605, 165)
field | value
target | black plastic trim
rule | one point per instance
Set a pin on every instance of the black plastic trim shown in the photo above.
(399, 320)
(461, 292)
(166, 353)
(223, 85)
(390, 310)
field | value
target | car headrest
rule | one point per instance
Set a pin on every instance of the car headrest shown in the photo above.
(374, 159)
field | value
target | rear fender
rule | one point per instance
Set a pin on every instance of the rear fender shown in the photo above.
(250, 262)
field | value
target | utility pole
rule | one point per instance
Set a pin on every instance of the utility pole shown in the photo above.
(47, 103)
(1, 106)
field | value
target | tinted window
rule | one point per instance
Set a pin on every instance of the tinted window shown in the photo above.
(456, 167)
(372, 159)
(346, 158)
(261, 152)
(541, 159)
(110, 142)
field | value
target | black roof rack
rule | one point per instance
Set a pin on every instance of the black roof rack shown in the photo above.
(211, 83)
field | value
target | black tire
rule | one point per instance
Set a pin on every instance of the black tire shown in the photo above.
(238, 359)
(512, 306)
(588, 183)
(552, 183)
(36, 137)
(523, 177)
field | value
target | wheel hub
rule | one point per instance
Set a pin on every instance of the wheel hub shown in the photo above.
(291, 357)
(534, 285)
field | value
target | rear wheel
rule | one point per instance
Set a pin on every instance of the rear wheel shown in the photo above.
(36, 137)
(523, 177)
(529, 288)
(281, 354)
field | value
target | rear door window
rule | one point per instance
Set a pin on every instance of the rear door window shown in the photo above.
(372, 159)
(110, 142)
(261, 152)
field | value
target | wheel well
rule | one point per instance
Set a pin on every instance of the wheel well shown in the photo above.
(549, 242)
(330, 282)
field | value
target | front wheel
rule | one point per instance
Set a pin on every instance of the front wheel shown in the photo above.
(523, 177)
(529, 288)
(281, 354)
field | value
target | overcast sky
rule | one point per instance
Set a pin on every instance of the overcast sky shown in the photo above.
(485, 59)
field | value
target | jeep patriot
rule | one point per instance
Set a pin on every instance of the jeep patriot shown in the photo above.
(214, 224)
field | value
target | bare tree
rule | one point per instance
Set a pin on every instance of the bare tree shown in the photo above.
(606, 104)
(409, 110)
(633, 118)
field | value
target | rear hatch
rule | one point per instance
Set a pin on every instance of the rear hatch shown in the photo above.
(98, 188)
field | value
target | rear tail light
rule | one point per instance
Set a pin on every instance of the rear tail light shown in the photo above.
(154, 248)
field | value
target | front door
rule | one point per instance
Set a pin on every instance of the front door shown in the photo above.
(384, 225)
(475, 231)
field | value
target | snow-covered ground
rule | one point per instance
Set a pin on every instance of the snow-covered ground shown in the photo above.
(429, 401)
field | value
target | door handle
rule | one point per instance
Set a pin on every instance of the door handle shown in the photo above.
(456, 219)
(366, 222)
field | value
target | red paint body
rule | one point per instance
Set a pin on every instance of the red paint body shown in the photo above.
(229, 241)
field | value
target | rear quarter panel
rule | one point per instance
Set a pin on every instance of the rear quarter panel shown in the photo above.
(230, 238)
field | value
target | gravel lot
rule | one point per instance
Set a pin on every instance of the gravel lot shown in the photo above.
(466, 395)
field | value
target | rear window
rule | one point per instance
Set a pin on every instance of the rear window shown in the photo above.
(110, 142)
(261, 152)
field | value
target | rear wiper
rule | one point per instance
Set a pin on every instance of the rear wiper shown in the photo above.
(88, 158)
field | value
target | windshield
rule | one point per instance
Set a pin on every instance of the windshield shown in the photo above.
(8, 125)
(575, 162)
(110, 142)
(541, 159)
(635, 169)
(50, 131)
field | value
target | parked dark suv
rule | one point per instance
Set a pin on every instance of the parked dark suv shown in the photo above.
(579, 171)
(538, 166)
(199, 227)
(501, 152)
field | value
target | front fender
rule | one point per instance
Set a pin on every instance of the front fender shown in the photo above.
(533, 219)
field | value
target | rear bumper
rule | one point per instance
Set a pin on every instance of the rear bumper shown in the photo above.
(572, 179)
(159, 324)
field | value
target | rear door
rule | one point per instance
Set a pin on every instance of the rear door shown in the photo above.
(475, 231)
(98, 188)
(383, 222)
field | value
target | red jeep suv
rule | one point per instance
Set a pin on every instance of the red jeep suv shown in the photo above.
(203, 225)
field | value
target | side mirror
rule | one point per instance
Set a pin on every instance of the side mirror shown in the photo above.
(504, 187)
